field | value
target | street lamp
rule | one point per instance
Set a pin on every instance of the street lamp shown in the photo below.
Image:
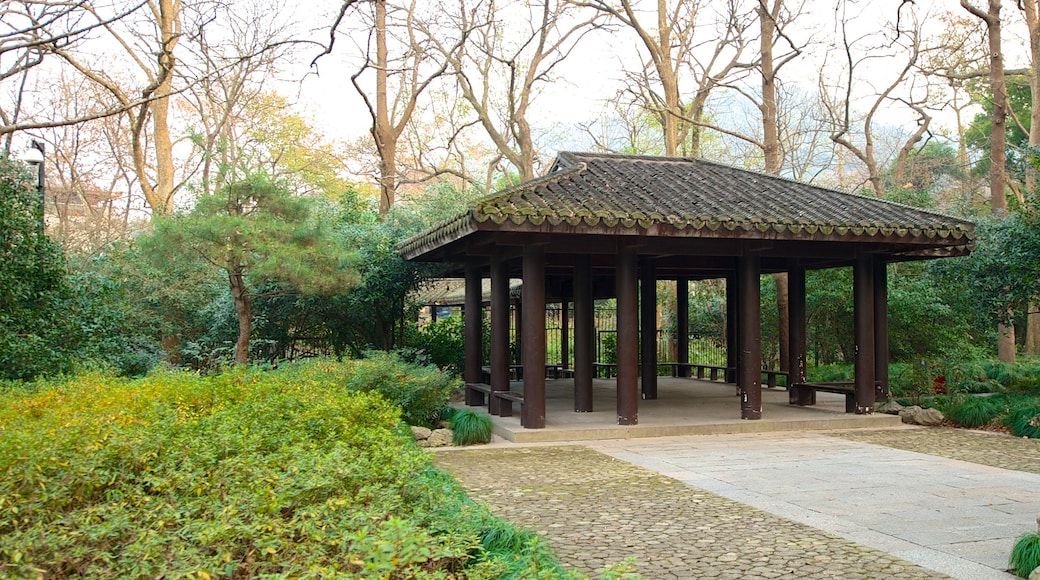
(34, 157)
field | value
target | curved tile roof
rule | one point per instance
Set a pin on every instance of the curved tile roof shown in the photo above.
(602, 192)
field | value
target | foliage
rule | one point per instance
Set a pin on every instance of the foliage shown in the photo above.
(973, 411)
(36, 334)
(247, 473)
(1023, 419)
(256, 231)
(471, 428)
(442, 343)
(421, 392)
(1025, 555)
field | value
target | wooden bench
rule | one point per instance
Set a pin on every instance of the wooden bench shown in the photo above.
(712, 371)
(608, 370)
(506, 400)
(771, 377)
(473, 388)
(842, 388)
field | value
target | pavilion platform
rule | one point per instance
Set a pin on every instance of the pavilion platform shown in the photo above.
(683, 407)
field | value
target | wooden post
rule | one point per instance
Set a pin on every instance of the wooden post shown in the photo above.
(565, 334)
(534, 337)
(584, 334)
(473, 315)
(682, 316)
(648, 327)
(627, 290)
(732, 326)
(881, 351)
(863, 296)
(499, 329)
(796, 364)
(750, 371)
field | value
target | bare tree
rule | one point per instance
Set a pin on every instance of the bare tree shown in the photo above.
(33, 29)
(998, 139)
(513, 48)
(860, 54)
(679, 60)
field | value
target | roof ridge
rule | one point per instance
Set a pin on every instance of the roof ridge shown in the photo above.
(551, 177)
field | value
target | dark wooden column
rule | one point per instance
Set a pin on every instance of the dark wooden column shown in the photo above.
(565, 334)
(473, 317)
(499, 329)
(682, 326)
(518, 325)
(749, 375)
(796, 315)
(863, 296)
(732, 326)
(534, 337)
(648, 326)
(881, 351)
(627, 290)
(584, 335)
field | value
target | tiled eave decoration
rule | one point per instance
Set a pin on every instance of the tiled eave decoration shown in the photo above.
(624, 195)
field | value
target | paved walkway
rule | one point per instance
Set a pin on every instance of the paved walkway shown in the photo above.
(779, 505)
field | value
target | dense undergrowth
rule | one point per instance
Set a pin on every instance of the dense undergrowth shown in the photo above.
(299, 472)
(972, 394)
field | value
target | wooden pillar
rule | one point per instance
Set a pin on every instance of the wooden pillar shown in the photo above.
(749, 375)
(584, 335)
(863, 296)
(473, 315)
(682, 317)
(627, 290)
(533, 322)
(881, 351)
(648, 327)
(518, 326)
(565, 334)
(499, 329)
(796, 364)
(732, 326)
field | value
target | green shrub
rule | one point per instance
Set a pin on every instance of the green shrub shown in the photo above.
(1025, 556)
(420, 392)
(1023, 419)
(972, 412)
(471, 428)
(248, 473)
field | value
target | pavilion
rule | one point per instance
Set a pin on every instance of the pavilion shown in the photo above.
(601, 225)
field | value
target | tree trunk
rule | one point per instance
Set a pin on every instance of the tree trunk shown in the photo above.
(1006, 343)
(1032, 345)
(773, 158)
(244, 308)
(382, 130)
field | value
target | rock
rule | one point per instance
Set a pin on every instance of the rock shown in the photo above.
(440, 438)
(930, 418)
(1035, 575)
(421, 433)
(917, 416)
(890, 407)
(909, 414)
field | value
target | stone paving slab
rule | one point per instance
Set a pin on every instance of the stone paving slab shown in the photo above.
(596, 510)
(951, 515)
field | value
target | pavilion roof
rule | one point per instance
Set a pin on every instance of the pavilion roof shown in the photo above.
(606, 194)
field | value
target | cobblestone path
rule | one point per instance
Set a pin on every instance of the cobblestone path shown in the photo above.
(984, 448)
(595, 511)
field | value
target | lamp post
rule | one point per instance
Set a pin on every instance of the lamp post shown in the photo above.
(34, 157)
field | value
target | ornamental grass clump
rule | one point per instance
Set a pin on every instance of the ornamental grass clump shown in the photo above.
(1023, 420)
(1025, 556)
(972, 412)
(470, 428)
